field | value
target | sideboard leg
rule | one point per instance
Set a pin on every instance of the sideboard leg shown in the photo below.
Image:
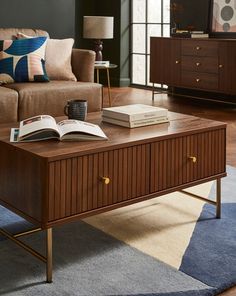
(153, 92)
(49, 255)
(218, 198)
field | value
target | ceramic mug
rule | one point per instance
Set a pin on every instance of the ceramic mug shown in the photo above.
(76, 109)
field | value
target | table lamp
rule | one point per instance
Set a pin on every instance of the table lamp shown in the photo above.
(97, 28)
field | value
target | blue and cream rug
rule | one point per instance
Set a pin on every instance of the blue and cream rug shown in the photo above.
(167, 246)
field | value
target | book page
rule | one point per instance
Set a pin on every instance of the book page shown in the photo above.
(37, 123)
(75, 126)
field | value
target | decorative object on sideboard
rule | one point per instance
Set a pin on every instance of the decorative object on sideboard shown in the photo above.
(98, 28)
(176, 10)
(223, 17)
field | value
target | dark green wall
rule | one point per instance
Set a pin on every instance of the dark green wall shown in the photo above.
(115, 50)
(55, 16)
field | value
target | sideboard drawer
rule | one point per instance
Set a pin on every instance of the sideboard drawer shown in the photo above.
(199, 48)
(76, 184)
(200, 64)
(172, 165)
(200, 80)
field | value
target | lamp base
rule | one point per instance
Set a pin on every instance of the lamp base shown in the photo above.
(98, 49)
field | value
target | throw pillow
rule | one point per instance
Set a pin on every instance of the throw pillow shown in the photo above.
(23, 60)
(58, 58)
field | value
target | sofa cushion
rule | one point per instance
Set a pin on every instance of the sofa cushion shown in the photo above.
(10, 33)
(50, 98)
(8, 105)
(23, 60)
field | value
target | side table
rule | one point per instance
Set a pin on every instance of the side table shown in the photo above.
(107, 68)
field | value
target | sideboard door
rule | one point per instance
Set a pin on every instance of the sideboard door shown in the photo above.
(165, 63)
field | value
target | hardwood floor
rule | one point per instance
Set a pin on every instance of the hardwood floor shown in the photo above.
(205, 109)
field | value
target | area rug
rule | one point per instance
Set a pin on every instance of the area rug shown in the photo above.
(171, 245)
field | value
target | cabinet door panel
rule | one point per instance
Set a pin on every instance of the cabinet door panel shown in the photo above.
(172, 162)
(165, 63)
(128, 170)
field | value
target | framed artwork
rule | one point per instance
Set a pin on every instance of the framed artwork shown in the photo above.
(223, 18)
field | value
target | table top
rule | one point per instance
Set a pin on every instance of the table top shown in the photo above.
(110, 66)
(118, 137)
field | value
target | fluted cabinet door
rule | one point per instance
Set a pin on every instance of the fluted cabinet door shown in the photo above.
(82, 184)
(182, 160)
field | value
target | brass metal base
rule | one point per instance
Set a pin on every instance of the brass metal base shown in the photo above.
(216, 203)
(46, 259)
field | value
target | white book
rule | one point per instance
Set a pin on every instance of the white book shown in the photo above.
(102, 63)
(137, 123)
(134, 112)
(199, 35)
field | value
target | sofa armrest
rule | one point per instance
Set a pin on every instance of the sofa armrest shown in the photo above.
(82, 61)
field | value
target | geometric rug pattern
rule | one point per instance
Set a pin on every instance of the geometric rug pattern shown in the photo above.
(170, 245)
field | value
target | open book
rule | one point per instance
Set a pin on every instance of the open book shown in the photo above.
(44, 127)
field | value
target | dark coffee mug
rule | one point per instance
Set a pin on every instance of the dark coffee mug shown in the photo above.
(76, 109)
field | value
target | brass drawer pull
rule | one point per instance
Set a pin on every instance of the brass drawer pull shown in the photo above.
(105, 180)
(177, 62)
(220, 66)
(198, 47)
(193, 158)
(198, 64)
(198, 80)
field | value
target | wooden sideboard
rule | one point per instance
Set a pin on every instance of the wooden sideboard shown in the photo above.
(202, 64)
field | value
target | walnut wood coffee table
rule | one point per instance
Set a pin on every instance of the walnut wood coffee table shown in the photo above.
(50, 183)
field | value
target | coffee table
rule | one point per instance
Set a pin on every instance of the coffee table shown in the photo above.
(51, 183)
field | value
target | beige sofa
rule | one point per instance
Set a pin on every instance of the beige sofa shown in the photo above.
(22, 100)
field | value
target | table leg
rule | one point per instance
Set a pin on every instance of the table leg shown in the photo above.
(218, 198)
(49, 255)
(109, 86)
(97, 75)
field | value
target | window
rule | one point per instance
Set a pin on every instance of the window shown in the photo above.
(148, 18)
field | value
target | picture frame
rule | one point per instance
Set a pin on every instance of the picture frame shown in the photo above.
(223, 18)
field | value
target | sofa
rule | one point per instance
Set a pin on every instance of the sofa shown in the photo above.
(22, 100)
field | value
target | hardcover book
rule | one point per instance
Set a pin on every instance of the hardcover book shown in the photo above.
(134, 112)
(136, 123)
(43, 127)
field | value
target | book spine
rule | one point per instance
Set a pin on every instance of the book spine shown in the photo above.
(134, 117)
(133, 124)
(147, 122)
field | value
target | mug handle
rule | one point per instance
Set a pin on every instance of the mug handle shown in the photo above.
(66, 109)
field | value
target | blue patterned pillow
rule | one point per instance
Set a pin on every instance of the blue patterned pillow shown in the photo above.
(23, 60)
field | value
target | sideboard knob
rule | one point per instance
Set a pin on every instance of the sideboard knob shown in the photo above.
(105, 180)
(197, 80)
(220, 66)
(177, 62)
(198, 47)
(193, 158)
(198, 64)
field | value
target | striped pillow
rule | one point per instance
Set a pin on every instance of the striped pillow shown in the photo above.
(23, 60)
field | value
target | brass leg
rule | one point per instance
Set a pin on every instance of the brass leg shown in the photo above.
(218, 198)
(109, 86)
(49, 255)
(216, 203)
(97, 75)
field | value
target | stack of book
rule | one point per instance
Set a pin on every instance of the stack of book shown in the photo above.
(102, 63)
(199, 34)
(135, 115)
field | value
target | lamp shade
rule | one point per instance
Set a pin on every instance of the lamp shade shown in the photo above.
(98, 27)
